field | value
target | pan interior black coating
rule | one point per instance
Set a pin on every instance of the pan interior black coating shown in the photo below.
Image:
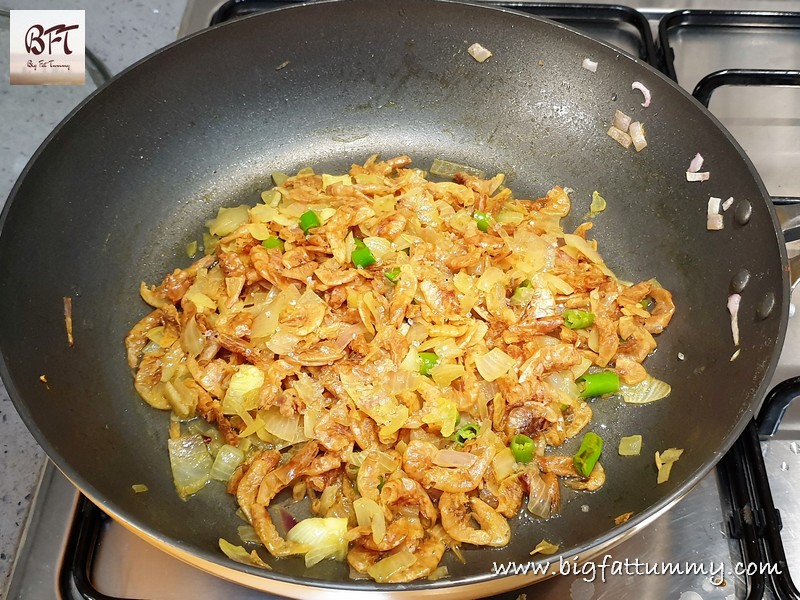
(119, 189)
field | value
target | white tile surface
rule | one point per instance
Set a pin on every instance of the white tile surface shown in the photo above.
(119, 33)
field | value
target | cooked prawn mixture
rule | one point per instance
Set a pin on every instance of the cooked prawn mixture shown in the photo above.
(408, 355)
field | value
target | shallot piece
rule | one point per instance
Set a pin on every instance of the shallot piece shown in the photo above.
(714, 220)
(715, 223)
(589, 65)
(479, 53)
(637, 136)
(621, 121)
(704, 176)
(733, 307)
(727, 204)
(638, 85)
(696, 163)
(622, 138)
(68, 320)
(347, 335)
(287, 520)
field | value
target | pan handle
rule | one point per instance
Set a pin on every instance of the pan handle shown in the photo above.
(775, 405)
(789, 218)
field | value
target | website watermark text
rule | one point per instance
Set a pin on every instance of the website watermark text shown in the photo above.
(600, 570)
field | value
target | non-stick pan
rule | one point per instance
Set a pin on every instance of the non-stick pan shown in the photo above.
(118, 189)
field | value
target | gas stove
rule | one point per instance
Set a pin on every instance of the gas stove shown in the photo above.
(727, 538)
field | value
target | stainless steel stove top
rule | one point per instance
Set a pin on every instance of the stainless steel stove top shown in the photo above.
(692, 535)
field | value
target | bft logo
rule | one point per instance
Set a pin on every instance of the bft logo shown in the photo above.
(35, 38)
(48, 46)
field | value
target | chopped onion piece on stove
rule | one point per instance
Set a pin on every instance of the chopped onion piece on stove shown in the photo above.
(597, 206)
(191, 464)
(540, 500)
(289, 429)
(637, 136)
(638, 85)
(324, 537)
(622, 138)
(623, 518)
(68, 320)
(493, 364)
(704, 176)
(479, 53)
(241, 555)
(589, 65)
(715, 223)
(382, 570)
(671, 455)
(714, 220)
(630, 445)
(438, 573)
(696, 163)
(225, 463)
(228, 220)
(733, 307)
(664, 462)
(369, 514)
(727, 204)
(667, 456)
(503, 464)
(446, 168)
(286, 520)
(621, 121)
(735, 355)
(444, 375)
(545, 547)
(646, 391)
(248, 535)
(347, 334)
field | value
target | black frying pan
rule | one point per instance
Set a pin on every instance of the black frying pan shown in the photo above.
(115, 193)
